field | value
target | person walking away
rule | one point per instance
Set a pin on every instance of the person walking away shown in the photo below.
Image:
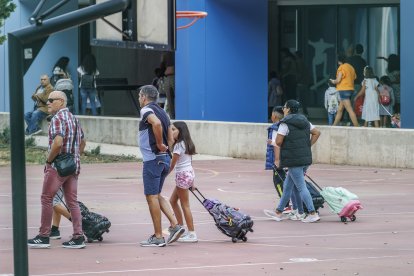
(88, 72)
(345, 77)
(154, 136)
(331, 103)
(34, 118)
(370, 109)
(184, 178)
(295, 137)
(65, 136)
(386, 108)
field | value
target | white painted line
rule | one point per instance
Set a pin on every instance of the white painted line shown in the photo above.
(234, 192)
(210, 266)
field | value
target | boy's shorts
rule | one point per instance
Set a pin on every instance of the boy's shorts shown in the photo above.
(56, 199)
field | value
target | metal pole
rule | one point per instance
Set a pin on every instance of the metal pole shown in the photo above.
(16, 43)
(18, 169)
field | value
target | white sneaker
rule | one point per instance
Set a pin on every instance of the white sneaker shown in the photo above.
(292, 214)
(311, 218)
(272, 214)
(188, 237)
(298, 216)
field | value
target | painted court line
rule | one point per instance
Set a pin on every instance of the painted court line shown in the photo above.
(213, 266)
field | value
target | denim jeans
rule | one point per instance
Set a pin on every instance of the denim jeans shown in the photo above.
(331, 118)
(51, 184)
(295, 178)
(154, 173)
(297, 203)
(91, 94)
(33, 119)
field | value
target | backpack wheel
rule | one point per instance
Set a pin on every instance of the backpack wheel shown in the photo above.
(100, 239)
(90, 240)
(353, 218)
(244, 239)
(234, 240)
(343, 219)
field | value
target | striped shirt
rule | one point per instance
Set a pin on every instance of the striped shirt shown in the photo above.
(63, 124)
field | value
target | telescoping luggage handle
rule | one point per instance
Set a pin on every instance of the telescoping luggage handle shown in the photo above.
(313, 181)
(200, 196)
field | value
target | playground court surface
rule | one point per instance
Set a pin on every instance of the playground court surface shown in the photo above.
(379, 242)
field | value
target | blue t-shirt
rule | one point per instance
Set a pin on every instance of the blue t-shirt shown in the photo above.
(146, 138)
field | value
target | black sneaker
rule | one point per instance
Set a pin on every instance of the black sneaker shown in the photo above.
(78, 242)
(39, 242)
(55, 235)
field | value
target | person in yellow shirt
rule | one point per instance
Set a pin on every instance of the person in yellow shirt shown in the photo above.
(345, 77)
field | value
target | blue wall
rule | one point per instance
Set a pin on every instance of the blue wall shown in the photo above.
(221, 62)
(407, 61)
(60, 44)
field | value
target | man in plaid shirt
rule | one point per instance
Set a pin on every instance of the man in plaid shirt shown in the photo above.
(62, 131)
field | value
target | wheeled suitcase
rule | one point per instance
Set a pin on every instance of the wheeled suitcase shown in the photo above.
(317, 199)
(230, 221)
(342, 202)
(93, 225)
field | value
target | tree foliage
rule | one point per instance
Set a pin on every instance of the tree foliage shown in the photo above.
(6, 8)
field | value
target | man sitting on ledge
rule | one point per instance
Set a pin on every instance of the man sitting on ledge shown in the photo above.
(35, 117)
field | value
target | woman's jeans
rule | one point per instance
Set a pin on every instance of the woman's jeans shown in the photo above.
(91, 94)
(295, 178)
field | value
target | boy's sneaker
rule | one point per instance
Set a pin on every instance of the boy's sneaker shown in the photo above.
(272, 214)
(188, 237)
(78, 242)
(311, 218)
(153, 241)
(54, 235)
(175, 233)
(38, 242)
(287, 210)
(297, 216)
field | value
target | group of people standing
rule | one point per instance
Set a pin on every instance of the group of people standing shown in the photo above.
(354, 79)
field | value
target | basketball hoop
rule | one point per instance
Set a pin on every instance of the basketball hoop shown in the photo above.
(195, 15)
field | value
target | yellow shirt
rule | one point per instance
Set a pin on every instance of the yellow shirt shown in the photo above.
(348, 77)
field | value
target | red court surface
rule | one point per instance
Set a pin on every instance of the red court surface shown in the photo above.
(379, 242)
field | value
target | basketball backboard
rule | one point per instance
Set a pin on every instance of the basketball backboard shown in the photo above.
(147, 24)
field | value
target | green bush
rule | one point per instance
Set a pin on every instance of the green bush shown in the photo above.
(5, 136)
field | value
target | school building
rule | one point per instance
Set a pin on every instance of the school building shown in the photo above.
(222, 62)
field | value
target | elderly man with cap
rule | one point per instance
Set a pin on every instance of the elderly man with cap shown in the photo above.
(295, 136)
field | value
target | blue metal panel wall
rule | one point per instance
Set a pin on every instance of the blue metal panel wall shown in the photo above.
(407, 61)
(221, 62)
(60, 44)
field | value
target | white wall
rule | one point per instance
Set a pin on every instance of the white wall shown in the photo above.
(389, 148)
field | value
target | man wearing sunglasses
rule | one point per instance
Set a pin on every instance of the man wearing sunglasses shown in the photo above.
(65, 136)
(40, 96)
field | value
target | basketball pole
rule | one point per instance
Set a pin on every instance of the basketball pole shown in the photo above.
(17, 41)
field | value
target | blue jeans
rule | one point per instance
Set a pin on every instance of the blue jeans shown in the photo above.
(33, 119)
(295, 178)
(331, 118)
(297, 203)
(154, 173)
(91, 94)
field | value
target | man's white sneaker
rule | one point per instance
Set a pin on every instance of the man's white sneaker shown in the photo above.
(311, 218)
(188, 237)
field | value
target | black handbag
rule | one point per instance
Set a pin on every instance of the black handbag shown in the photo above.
(65, 163)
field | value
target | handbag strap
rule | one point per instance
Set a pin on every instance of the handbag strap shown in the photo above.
(76, 133)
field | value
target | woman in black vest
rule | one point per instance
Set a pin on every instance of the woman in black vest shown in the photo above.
(295, 137)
